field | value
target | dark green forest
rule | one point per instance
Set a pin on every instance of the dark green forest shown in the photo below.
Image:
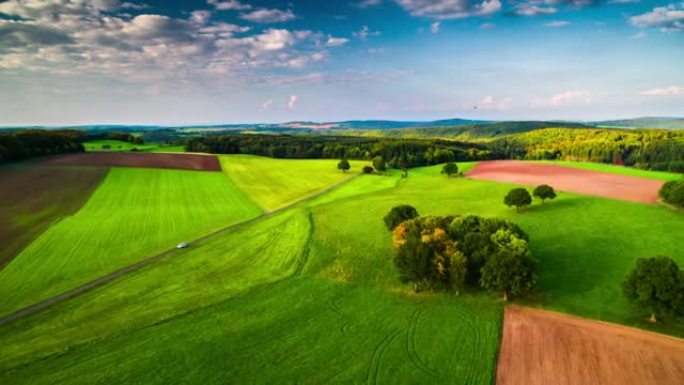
(26, 144)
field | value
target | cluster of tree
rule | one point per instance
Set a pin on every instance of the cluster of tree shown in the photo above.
(649, 149)
(657, 285)
(122, 136)
(673, 192)
(395, 153)
(521, 198)
(450, 169)
(33, 143)
(452, 253)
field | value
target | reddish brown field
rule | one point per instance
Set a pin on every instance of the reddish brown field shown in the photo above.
(570, 179)
(541, 347)
(139, 159)
(34, 196)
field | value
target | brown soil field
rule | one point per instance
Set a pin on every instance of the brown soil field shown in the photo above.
(33, 196)
(542, 347)
(570, 179)
(139, 159)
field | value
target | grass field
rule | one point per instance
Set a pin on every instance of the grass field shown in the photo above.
(310, 295)
(39, 196)
(119, 145)
(134, 213)
(273, 183)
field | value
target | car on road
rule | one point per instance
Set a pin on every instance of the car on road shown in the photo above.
(182, 245)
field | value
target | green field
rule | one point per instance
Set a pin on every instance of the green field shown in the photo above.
(309, 295)
(134, 214)
(119, 145)
(274, 183)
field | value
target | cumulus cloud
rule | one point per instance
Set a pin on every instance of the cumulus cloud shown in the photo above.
(434, 27)
(449, 9)
(268, 16)
(99, 37)
(336, 41)
(667, 19)
(557, 24)
(490, 102)
(672, 90)
(528, 9)
(229, 5)
(267, 105)
(293, 102)
(549, 7)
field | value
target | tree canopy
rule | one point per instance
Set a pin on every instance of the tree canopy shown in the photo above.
(450, 253)
(544, 192)
(343, 165)
(399, 214)
(673, 192)
(450, 169)
(656, 284)
(518, 197)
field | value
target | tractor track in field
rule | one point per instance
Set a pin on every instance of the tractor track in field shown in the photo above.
(411, 350)
(376, 359)
(73, 293)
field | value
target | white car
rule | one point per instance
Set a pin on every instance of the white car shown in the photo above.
(182, 245)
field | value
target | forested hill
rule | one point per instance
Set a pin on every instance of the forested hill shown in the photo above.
(664, 123)
(466, 131)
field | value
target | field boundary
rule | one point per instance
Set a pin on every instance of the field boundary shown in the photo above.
(46, 303)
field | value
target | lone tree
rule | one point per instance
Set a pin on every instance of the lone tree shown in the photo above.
(511, 270)
(343, 165)
(518, 197)
(399, 214)
(673, 192)
(656, 284)
(544, 192)
(379, 164)
(450, 169)
(367, 169)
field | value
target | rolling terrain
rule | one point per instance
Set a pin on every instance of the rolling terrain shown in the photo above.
(308, 293)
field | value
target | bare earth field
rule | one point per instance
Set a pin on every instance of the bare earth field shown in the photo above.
(139, 159)
(569, 179)
(542, 347)
(34, 196)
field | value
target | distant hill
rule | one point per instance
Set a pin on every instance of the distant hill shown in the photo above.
(392, 124)
(646, 122)
(466, 131)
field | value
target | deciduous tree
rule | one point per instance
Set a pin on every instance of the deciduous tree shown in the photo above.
(656, 284)
(544, 192)
(518, 197)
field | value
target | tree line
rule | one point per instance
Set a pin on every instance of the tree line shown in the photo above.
(649, 149)
(25, 144)
(395, 153)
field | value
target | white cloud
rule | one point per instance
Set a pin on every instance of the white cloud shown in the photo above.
(365, 32)
(229, 5)
(672, 90)
(449, 9)
(267, 105)
(529, 9)
(639, 35)
(336, 41)
(668, 19)
(367, 3)
(83, 38)
(293, 102)
(434, 27)
(268, 16)
(623, 1)
(569, 97)
(490, 102)
(557, 24)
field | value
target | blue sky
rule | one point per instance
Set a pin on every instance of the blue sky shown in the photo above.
(227, 61)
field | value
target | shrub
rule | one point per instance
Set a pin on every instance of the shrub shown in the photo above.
(367, 169)
(673, 192)
(518, 197)
(544, 192)
(379, 164)
(106, 147)
(399, 214)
